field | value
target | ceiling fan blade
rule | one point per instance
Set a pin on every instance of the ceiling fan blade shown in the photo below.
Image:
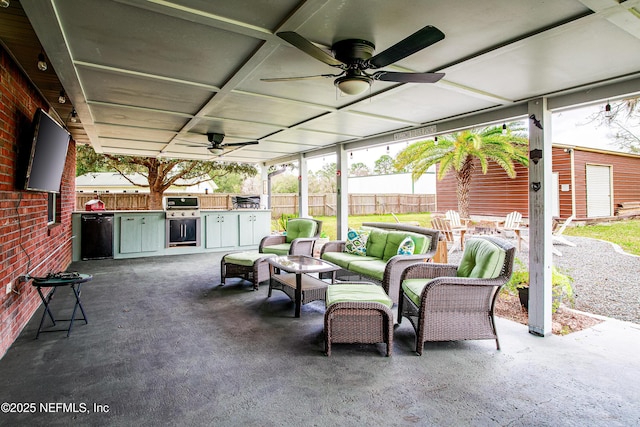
(289, 79)
(407, 77)
(239, 144)
(309, 48)
(412, 44)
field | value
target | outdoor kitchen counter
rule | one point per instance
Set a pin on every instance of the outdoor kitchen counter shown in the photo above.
(138, 233)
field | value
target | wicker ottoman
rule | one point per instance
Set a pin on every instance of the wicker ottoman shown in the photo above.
(358, 313)
(250, 266)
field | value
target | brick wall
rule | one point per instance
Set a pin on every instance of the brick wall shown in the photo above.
(25, 238)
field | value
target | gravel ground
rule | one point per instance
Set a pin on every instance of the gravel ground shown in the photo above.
(606, 280)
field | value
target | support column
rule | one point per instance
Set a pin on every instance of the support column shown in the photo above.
(540, 218)
(265, 193)
(303, 187)
(342, 174)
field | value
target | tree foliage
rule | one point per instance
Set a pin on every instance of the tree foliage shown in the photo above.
(359, 169)
(285, 183)
(624, 121)
(160, 173)
(324, 180)
(459, 153)
(384, 165)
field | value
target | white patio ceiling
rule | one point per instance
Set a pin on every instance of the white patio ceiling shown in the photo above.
(151, 78)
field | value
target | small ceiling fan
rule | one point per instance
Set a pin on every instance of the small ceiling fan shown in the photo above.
(354, 57)
(216, 147)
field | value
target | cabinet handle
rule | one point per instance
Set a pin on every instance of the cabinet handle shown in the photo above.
(129, 219)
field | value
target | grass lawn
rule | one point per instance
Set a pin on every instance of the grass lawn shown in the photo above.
(623, 233)
(330, 224)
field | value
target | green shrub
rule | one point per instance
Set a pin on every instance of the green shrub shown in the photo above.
(561, 289)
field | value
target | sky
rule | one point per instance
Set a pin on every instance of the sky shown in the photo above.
(570, 127)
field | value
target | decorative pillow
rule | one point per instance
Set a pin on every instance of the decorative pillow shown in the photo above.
(407, 246)
(357, 242)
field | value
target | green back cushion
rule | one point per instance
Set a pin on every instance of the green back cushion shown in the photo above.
(300, 228)
(481, 259)
(376, 243)
(395, 238)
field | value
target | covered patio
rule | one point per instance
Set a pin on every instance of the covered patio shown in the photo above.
(165, 345)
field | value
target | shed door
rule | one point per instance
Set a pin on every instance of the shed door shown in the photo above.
(598, 191)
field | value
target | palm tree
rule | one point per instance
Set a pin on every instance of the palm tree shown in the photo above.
(461, 151)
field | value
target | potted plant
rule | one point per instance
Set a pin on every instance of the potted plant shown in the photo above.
(561, 286)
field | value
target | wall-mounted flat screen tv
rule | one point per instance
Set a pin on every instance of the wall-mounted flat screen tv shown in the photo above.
(48, 154)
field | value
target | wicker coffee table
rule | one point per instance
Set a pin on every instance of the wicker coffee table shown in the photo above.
(290, 274)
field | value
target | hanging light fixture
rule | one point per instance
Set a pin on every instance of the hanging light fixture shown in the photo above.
(607, 111)
(435, 141)
(74, 116)
(351, 155)
(504, 128)
(42, 62)
(62, 98)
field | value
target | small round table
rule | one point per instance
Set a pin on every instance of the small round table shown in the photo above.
(75, 281)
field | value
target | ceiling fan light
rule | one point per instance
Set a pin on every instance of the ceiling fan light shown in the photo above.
(353, 85)
(215, 151)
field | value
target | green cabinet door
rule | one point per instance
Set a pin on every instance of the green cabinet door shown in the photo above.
(253, 227)
(221, 230)
(140, 233)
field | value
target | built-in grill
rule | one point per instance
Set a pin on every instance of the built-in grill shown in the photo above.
(182, 221)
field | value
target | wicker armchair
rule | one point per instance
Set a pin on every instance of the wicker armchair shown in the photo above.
(300, 242)
(446, 302)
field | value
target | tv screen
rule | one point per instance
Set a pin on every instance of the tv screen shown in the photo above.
(48, 154)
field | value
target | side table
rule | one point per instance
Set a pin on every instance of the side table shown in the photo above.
(54, 282)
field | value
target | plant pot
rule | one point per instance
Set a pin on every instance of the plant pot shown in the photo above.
(523, 294)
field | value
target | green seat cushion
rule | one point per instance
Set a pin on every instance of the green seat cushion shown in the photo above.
(245, 258)
(344, 259)
(373, 268)
(300, 227)
(413, 289)
(357, 292)
(377, 242)
(281, 249)
(481, 259)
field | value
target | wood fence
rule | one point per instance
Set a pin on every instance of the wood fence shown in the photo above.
(319, 204)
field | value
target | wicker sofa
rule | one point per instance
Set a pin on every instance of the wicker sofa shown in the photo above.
(381, 263)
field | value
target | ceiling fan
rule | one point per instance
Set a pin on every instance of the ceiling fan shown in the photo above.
(354, 57)
(216, 147)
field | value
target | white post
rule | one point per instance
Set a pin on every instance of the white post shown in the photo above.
(342, 172)
(540, 217)
(264, 177)
(303, 187)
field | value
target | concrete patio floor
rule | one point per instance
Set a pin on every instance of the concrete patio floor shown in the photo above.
(165, 345)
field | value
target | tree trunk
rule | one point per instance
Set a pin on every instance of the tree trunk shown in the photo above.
(155, 200)
(463, 186)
